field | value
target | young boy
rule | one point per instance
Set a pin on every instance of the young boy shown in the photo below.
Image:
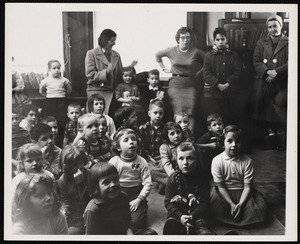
(212, 142)
(106, 152)
(182, 118)
(30, 114)
(151, 140)
(52, 122)
(42, 134)
(74, 111)
(88, 127)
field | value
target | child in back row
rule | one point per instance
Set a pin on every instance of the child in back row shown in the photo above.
(52, 122)
(135, 178)
(233, 199)
(182, 118)
(30, 117)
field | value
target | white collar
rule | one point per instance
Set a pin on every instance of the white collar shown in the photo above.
(153, 88)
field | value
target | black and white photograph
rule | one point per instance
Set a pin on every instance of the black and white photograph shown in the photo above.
(130, 120)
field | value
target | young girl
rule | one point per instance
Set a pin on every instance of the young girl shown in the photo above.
(172, 137)
(135, 179)
(233, 199)
(187, 195)
(55, 88)
(72, 187)
(127, 86)
(106, 151)
(35, 208)
(96, 106)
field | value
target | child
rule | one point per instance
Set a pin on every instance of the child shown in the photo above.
(30, 114)
(135, 179)
(182, 118)
(36, 209)
(74, 111)
(42, 134)
(127, 85)
(187, 195)
(88, 138)
(96, 106)
(72, 188)
(172, 137)
(151, 140)
(233, 199)
(55, 88)
(222, 72)
(126, 118)
(106, 151)
(30, 160)
(212, 142)
(52, 122)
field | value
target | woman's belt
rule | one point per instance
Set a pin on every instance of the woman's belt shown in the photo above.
(177, 75)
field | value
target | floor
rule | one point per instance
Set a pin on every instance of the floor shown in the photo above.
(269, 179)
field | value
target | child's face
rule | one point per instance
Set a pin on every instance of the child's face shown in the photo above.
(175, 136)
(109, 187)
(153, 80)
(33, 164)
(75, 165)
(232, 144)
(186, 161)
(74, 113)
(55, 70)
(183, 121)
(46, 140)
(31, 117)
(42, 199)
(216, 127)
(127, 76)
(220, 41)
(128, 145)
(102, 127)
(98, 106)
(156, 114)
(90, 129)
(54, 128)
(15, 121)
(131, 122)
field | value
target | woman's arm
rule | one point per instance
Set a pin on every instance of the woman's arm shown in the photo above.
(159, 55)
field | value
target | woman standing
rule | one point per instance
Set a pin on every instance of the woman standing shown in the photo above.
(103, 68)
(270, 61)
(186, 63)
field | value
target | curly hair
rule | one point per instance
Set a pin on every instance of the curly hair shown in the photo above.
(220, 31)
(116, 141)
(183, 30)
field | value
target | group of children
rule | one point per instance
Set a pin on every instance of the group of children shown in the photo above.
(98, 180)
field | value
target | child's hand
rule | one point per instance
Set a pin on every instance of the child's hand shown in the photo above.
(212, 145)
(269, 79)
(79, 135)
(133, 98)
(223, 88)
(237, 211)
(167, 70)
(160, 94)
(134, 63)
(184, 220)
(134, 204)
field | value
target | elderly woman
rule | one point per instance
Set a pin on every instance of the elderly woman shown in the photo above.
(186, 63)
(270, 61)
(103, 68)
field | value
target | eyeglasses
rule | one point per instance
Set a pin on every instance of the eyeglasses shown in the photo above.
(185, 37)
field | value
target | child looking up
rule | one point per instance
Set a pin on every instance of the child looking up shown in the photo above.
(55, 88)
(74, 111)
(135, 179)
(72, 188)
(42, 134)
(233, 199)
(30, 114)
(35, 208)
(212, 142)
(187, 195)
(182, 118)
(96, 106)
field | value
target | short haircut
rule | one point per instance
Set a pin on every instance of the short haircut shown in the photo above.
(116, 141)
(105, 36)
(38, 130)
(186, 146)
(180, 113)
(153, 72)
(183, 30)
(52, 61)
(220, 31)
(74, 105)
(170, 126)
(98, 171)
(29, 107)
(92, 98)
(213, 117)
(48, 119)
(82, 119)
(234, 129)
(123, 113)
(156, 102)
(29, 150)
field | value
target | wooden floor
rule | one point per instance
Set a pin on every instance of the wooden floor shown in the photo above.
(269, 179)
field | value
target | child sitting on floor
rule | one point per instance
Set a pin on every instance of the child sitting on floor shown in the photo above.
(30, 114)
(233, 199)
(182, 118)
(52, 122)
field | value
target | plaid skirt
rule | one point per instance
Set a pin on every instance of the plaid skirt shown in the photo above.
(254, 210)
